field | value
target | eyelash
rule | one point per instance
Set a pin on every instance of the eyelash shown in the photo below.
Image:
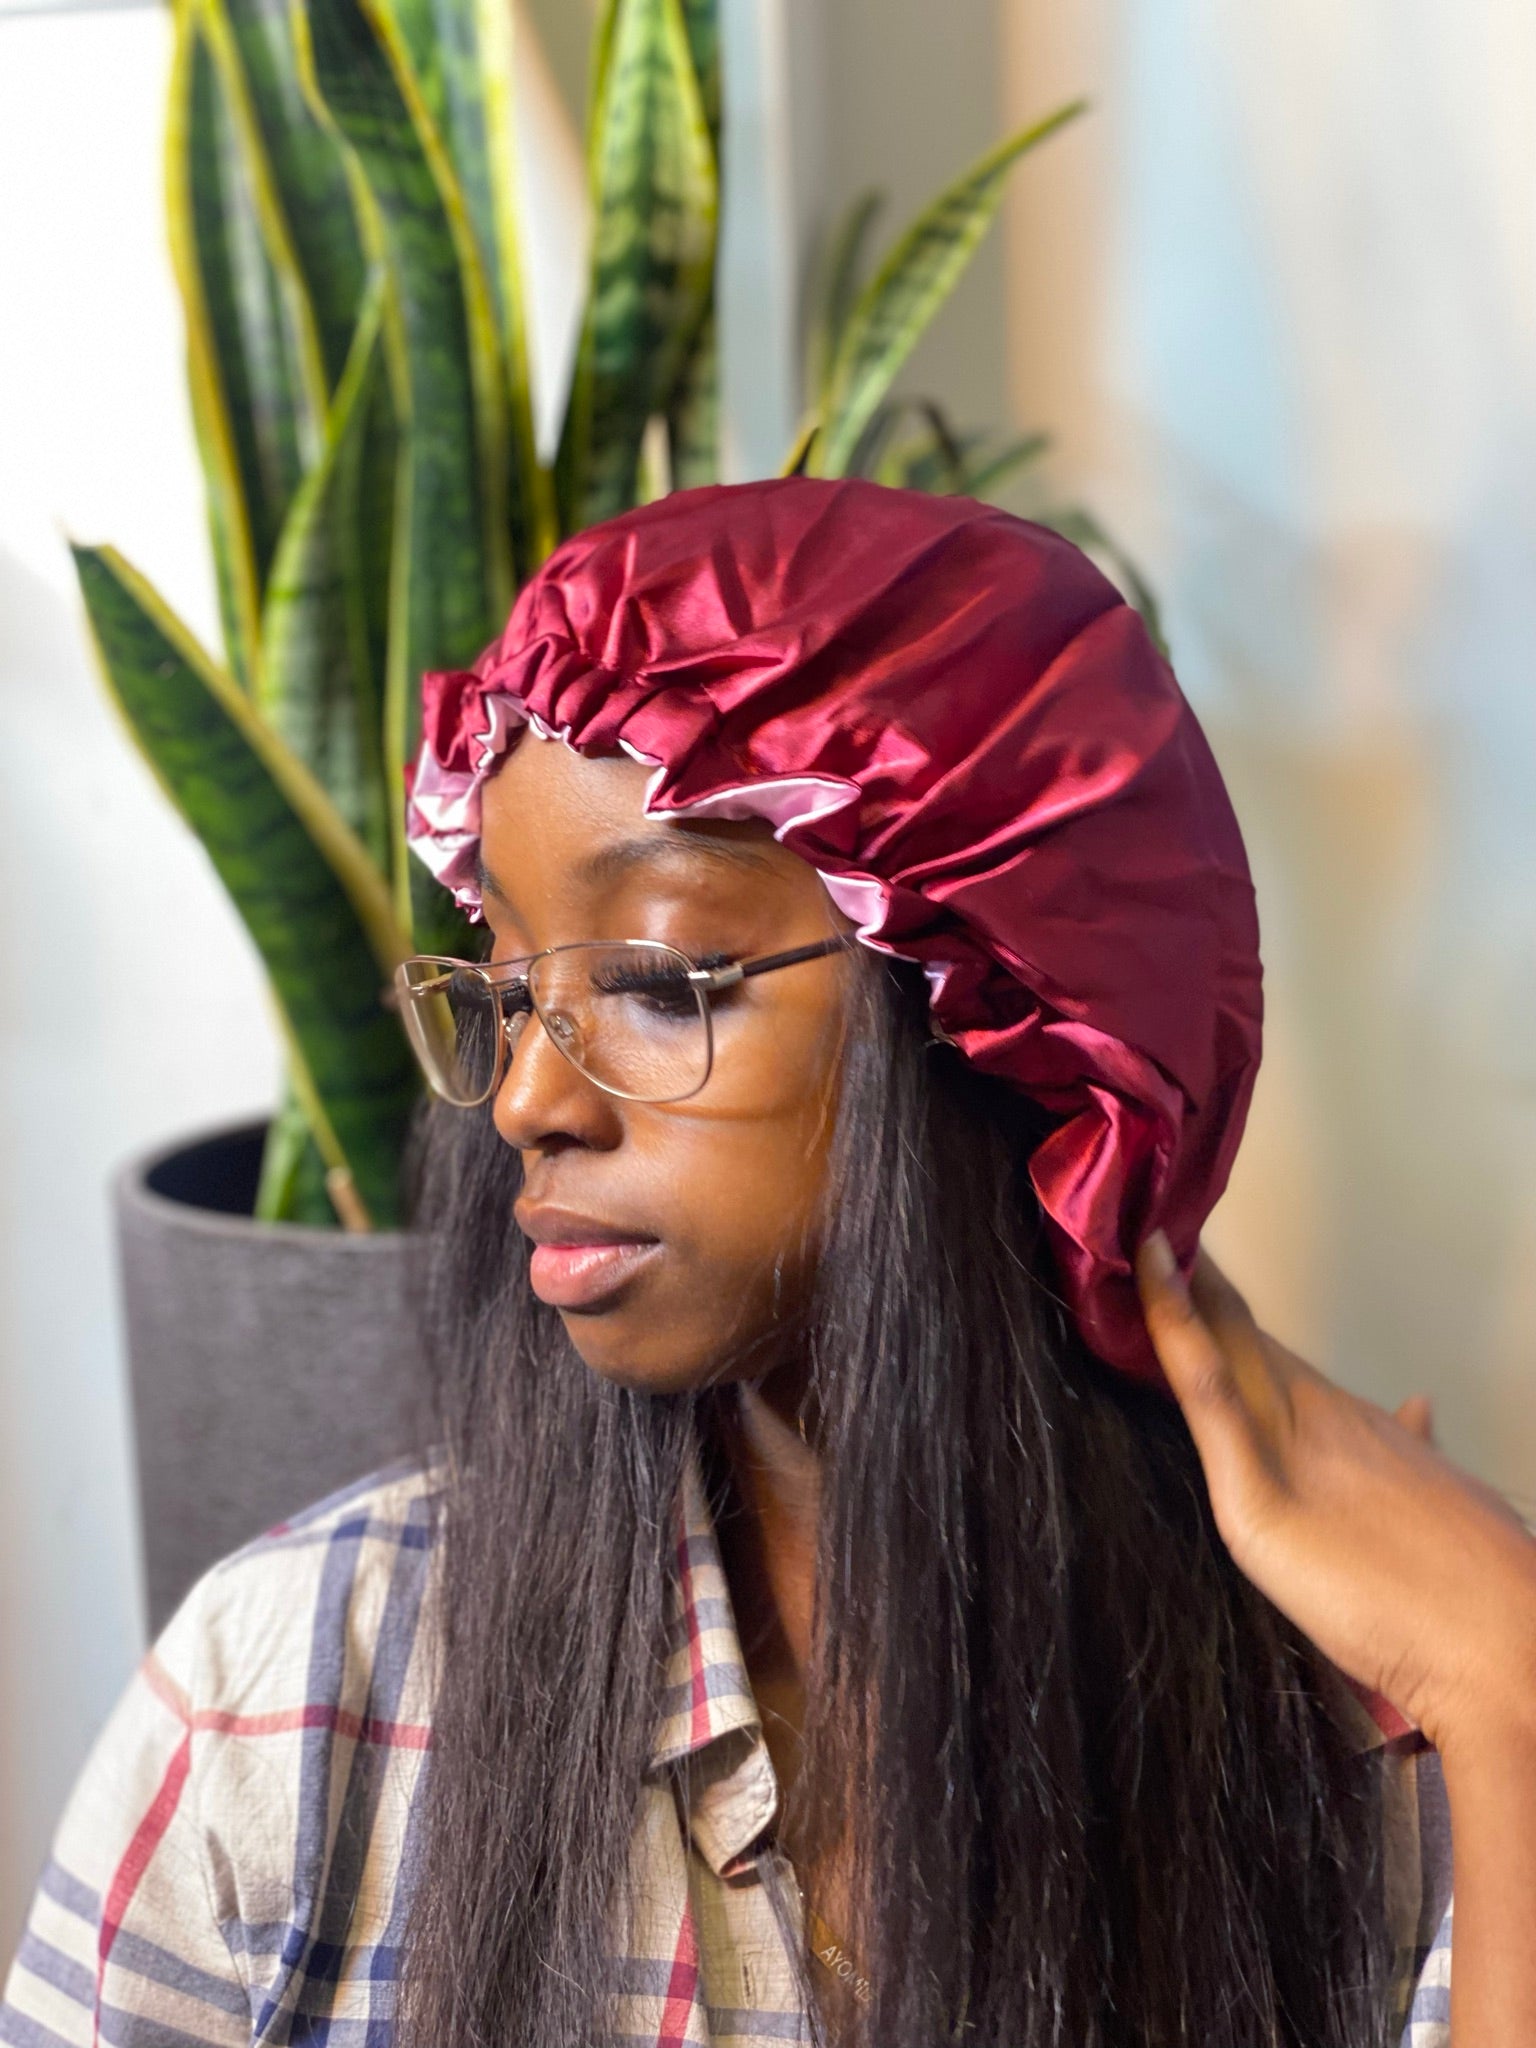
(696, 960)
(654, 984)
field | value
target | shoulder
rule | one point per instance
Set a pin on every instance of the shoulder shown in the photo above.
(351, 1572)
(302, 1665)
(234, 1846)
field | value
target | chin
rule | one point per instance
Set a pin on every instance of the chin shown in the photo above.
(679, 1369)
(634, 1371)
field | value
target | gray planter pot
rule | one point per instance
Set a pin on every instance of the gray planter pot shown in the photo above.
(269, 1363)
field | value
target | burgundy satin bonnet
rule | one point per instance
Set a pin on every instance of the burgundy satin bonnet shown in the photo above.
(960, 723)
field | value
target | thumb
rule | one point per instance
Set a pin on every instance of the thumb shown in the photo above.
(1197, 1367)
(1417, 1415)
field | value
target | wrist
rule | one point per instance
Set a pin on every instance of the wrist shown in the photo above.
(1494, 1731)
(1490, 1782)
(1491, 1710)
(1495, 1752)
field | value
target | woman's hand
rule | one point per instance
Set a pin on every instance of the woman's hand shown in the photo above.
(1412, 1577)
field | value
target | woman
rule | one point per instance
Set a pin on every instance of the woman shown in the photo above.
(817, 1621)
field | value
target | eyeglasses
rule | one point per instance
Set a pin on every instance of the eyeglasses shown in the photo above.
(631, 1015)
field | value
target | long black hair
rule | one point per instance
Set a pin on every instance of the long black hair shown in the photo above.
(1095, 1786)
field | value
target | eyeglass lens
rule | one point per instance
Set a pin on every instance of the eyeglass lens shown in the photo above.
(626, 1015)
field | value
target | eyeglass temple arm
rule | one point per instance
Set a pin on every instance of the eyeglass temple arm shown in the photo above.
(738, 970)
(711, 977)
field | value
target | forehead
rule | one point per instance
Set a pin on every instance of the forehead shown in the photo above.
(557, 822)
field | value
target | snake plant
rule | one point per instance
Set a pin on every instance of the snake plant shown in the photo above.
(343, 222)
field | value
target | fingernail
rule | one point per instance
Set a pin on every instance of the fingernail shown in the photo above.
(1161, 1267)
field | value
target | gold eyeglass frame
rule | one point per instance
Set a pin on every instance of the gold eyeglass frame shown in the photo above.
(500, 983)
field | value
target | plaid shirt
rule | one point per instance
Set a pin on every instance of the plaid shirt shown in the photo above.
(230, 1867)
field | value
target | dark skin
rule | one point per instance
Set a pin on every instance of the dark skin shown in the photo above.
(728, 1179)
(1406, 1572)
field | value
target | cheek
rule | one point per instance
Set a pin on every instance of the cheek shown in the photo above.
(743, 1193)
(750, 1156)
(739, 1222)
(741, 1228)
(733, 1182)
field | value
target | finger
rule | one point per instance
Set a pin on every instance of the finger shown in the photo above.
(1199, 1369)
(1417, 1415)
(1266, 1371)
(1214, 1292)
(1223, 1304)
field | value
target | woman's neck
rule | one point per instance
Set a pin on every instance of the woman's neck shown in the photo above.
(768, 1548)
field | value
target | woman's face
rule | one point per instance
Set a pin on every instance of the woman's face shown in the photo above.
(721, 1187)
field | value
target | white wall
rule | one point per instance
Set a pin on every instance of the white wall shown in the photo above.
(133, 1009)
(130, 1004)
(1279, 293)
(1278, 297)
(915, 93)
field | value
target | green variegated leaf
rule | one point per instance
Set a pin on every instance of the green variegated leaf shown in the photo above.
(445, 44)
(701, 24)
(309, 895)
(307, 200)
(846, 262)
(292, 1186)
(912, 283)
(598, 66)
(693, 423)
(452, 582)
(379, 466)
(258, 351)
(887, 455)
(461, 57)
(229, 535)
(654, 205)
(319, 688)
(796, 462)
(925, 461)
(989, 467)
(343, 224)
(440, 41)
(244, 386)
(693, 419)
(939, 458)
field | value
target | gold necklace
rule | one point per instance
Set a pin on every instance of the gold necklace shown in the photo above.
(834, 1957)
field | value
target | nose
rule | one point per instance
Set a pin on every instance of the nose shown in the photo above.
(543, 1095)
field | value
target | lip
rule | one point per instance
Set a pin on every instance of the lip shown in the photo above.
(580, 1260)
(582, 1275)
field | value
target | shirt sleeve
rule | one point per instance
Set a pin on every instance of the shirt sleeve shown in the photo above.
(1429, 2012)
(1427, 2002)
(122, 1943)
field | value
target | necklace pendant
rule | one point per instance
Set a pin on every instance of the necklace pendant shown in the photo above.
(833, 1955)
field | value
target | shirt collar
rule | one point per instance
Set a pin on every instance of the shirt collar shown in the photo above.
(710, 1733)
(1374, 1723)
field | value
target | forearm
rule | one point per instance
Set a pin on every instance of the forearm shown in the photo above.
(1491, 1783)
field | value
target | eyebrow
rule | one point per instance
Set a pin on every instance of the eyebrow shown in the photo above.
(625, 856)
